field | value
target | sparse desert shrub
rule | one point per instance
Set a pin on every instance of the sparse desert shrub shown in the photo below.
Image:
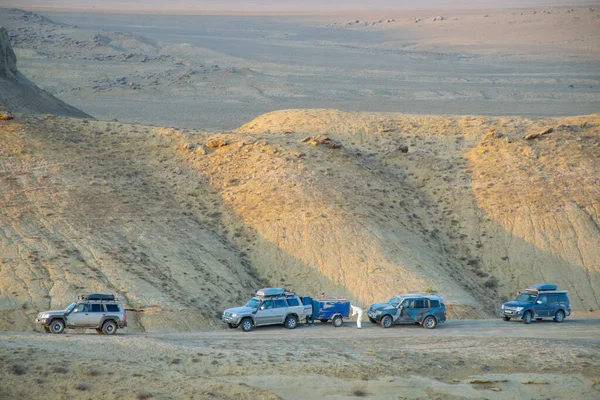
(17, 369)
(491, 283)
(60, 370)
(84, 387)
(359, 393)
(144, 396)
(430, 290)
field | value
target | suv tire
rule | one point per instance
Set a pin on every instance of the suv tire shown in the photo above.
(337, 321)
(559, 316)
(430, 322)
(291, 322)
(57, 326)
(387, 321)
(246, 325)
(527, 317)
(109, 328)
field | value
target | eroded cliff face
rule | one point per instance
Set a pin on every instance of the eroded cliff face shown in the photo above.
(19, 95)
(8, 59)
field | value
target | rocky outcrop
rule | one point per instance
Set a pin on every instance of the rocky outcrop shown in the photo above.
(19, 95)
(8, 60)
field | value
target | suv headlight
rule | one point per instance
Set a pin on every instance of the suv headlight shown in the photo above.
(234, 315)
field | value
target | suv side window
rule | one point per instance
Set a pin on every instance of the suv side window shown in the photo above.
(81, 307)
(434, 303)
(293, 302)
(543, 298)
(97, 308)
(408, 303)
(552, 298)
(422, 303)
(562, 297)
(112, 307)
(280, 303)
(266, 305)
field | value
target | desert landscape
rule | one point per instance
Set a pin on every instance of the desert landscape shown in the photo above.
(183, 162)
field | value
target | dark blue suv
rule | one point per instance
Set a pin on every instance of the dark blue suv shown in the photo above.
(425, 309)
(539, 301)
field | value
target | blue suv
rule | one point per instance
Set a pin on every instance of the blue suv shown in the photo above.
(425, 309)
(539, 301)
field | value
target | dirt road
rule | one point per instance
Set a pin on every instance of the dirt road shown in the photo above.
(460, 359)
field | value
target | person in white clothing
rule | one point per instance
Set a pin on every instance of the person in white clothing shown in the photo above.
(355, 311)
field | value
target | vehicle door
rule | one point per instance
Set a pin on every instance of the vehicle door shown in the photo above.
(80, 315)
(264, 313)
(96, 313)
(280, 309)
(541, 307)
(553, 304)
(407, 308)
(421, 308)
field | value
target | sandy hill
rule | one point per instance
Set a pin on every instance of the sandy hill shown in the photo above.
(20, 95)
(182, 224)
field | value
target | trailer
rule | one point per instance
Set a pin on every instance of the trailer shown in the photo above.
(330, 309)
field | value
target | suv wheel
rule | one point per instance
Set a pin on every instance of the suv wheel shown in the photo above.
(506, 318)
(246, 325)
(559, 316)
(387, 321)
(527, 317)
(429, 322)
(109, 328)
(57, 326)
(291, 322)
(337, 321)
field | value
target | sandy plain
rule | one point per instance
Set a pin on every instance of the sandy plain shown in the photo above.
(218, 72)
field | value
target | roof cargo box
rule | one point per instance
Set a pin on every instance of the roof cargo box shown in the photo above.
(266, 292)
(98, 297)
(543, 286)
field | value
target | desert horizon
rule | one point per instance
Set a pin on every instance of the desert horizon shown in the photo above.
(184, 158)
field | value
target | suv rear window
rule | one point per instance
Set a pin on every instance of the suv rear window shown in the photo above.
(421, 303)
(434, 303)
(562, 298)
(112, 308)
(293, 302)
(97, 308)
(280, 303)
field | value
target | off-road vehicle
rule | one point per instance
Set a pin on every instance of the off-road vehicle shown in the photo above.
(99, 311)
(270, 306)
(425, 309)
(539, 301)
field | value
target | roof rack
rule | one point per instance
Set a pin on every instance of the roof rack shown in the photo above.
(97, 297)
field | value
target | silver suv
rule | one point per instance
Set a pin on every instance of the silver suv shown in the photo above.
(99, 311)
(270, 306)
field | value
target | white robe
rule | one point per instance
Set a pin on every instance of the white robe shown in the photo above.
(355, 311)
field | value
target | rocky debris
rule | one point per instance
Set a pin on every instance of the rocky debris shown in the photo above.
(215, 143)
(439, 18)
(317, 140)
(366, 23)
(8, 59)
(492, 134)
(535, 135)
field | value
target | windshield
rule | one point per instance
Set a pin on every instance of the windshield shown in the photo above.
(253, 303)
(526, 298)
(395, 301)
(71, 307)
